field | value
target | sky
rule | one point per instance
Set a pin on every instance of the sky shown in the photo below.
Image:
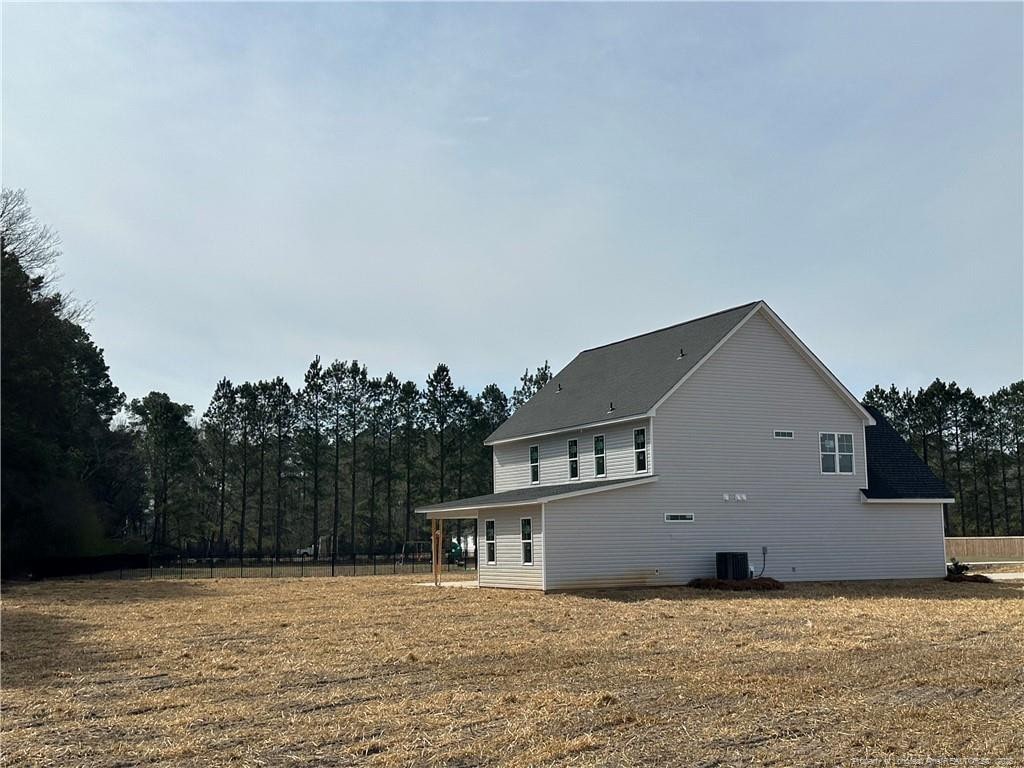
(242, 187)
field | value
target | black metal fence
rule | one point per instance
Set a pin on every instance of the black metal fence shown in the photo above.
(183, 567)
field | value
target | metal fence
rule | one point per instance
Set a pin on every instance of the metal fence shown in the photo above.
(299, 566)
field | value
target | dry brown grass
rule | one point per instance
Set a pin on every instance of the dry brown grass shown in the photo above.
(378, 672)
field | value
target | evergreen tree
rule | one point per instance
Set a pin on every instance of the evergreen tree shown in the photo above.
(218, 422)
(282, 408)
(336, 378)
(262, 426)
(312, 407)
(390, 390)
(168, 442)
(248, 401)
(438, 403)
(530, 384)
(373, 425)
(354, 399)
(409, 413)
(60, 475)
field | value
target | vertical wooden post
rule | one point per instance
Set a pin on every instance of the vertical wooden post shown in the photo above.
(433, 549)
(437, 548)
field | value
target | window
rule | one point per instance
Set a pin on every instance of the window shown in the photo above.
(836, 453)
(534, 463)
(783, 434)
(574, 460)
(640, 449)
(679, 517)
(599, 456)
(526, 531)
(489, 542)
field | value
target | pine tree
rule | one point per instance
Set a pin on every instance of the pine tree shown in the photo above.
(354, 398)
(409, 412)
(219, 421)
(390, 389)
(169, 445)
(282, 410)
(438, 408)
(312, 407)
(336, 376)
(373, 420)
(262, 425)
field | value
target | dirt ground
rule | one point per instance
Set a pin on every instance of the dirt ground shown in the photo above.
(377, 671)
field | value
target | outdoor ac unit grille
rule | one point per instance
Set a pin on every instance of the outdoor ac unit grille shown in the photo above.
(732, 565)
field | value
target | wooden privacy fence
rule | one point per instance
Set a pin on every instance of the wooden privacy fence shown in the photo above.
(985, 549)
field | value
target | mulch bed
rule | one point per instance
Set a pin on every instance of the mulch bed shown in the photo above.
(762, 583)
(981, 578)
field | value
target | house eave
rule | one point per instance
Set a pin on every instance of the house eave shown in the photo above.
(868, 500)
(572, 428)
(472, 511)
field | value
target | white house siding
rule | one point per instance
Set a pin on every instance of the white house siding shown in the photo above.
(512, 460)
(509, 571)
(714, 437)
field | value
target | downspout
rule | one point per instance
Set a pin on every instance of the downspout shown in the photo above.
(543, 548)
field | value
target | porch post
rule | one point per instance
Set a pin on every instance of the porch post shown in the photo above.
(435, 551)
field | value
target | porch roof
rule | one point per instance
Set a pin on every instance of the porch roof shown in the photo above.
(534, 494)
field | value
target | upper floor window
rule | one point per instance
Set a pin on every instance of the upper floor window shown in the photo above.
(534, 463)
(526, 534)
(599, 456)
(783, 434)
(574, 460)
(640, 449)
(836, 453)
(489, 541)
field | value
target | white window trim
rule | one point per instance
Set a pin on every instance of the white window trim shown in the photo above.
(494, 541)
(789, 434)
(603, 454)
(522, 560)
(529, 455)
(679, 517)
(853, 454)
(636, 452)
(569, 460)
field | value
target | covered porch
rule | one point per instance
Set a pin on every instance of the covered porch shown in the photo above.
(511, 525)
(438, 548)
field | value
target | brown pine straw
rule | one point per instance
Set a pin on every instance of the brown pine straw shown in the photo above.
(380, 672)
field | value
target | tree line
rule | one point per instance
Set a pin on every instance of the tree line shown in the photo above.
(333, 468)
(973, 443)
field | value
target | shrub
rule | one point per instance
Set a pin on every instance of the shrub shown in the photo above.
(956, 568)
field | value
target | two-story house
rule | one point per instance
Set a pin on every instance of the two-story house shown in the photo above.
(643, 458)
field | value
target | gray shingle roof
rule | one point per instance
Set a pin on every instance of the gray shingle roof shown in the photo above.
(894, 470)
(530, 494)
(633, 374)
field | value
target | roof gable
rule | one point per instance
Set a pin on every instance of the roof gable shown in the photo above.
(629, 379)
